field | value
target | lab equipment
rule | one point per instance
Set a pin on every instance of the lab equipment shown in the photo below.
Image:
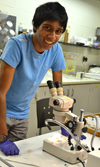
(11, 32)
(9, 148)
(7, 28)
(91, 123)
(1, 51)
(7, 31)
(2, 17)
(4, 41)
(8, 24)
(4, 31)
(65, 133)
(68, 148)
(93, 159)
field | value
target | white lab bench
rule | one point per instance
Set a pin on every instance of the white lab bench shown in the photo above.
(31, 153)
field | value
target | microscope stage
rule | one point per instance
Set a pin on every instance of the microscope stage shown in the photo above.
(58, 146)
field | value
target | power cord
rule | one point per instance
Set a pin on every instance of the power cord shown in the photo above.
(81, 162)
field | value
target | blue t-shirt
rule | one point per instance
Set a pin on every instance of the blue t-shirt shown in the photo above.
(30, 68)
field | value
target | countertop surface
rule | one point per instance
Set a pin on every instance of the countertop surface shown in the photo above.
(31, 153)
(70, 80)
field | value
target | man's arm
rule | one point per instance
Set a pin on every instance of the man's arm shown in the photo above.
(57, 76)
(6, 76)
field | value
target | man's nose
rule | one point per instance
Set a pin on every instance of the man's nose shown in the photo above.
(52, 35)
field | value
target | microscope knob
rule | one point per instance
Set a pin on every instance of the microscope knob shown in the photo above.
(84, 121)
(84, 130)
(74, 100)
(79, 148)
(72, 148)
(69, 124)
(56, 102)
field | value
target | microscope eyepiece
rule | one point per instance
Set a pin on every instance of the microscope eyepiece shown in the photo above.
(58, 84)
(50, 84)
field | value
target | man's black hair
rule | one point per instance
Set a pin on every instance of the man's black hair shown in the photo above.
(52, 11)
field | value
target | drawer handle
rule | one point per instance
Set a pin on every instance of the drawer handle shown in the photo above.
(72, 93)
(67, 92)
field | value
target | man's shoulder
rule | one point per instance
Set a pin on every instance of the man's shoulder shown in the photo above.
(22, 37)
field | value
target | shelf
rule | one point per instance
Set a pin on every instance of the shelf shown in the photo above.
(78, 45)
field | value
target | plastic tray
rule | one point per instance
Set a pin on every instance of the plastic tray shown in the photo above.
(90, 130)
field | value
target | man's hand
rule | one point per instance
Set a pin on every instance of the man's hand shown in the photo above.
(66, 133)
(9, 148)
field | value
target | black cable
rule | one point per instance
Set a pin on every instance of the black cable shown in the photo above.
(81, 162)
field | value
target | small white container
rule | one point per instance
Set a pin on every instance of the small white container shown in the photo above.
(80, 75)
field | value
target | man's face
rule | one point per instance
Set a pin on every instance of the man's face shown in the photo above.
(47, 34)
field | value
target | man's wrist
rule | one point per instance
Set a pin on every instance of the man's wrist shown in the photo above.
(3, 138)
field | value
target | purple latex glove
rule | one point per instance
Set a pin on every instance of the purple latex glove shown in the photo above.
(65, 133)
(9, 148)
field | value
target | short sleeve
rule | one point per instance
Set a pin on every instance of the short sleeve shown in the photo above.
(11, 53)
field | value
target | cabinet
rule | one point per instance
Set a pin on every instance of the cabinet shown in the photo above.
(80, 93)
(87, 97)
(94, 98)
(32, 121)
(42, 92)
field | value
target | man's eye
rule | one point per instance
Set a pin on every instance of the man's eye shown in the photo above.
(59, 31)
(47, 28)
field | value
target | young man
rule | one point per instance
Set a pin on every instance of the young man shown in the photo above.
(25, 61)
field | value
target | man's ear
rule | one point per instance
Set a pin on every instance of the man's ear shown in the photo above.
(34, 28)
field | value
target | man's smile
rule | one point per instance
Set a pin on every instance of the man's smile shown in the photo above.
(48, 42)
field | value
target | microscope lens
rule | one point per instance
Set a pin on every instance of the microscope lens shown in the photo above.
(50, 84)
(58, 84)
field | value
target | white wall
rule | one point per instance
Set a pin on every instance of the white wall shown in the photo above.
(83, 14)
(93, 57)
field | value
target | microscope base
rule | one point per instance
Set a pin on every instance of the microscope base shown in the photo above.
(58, 146)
